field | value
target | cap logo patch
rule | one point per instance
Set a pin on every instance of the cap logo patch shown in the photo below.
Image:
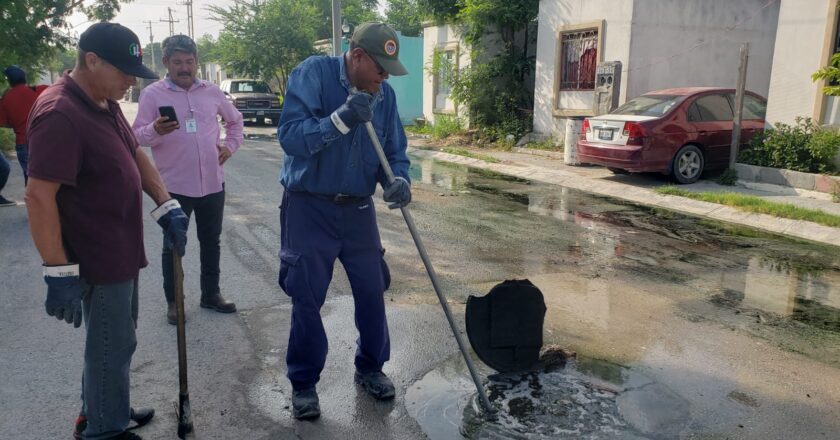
(135, 50)
(390, 47)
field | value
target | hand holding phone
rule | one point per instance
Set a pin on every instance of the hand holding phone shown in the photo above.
(168, 120)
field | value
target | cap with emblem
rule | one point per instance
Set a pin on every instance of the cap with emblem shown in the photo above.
(381, 42)
(117, 45)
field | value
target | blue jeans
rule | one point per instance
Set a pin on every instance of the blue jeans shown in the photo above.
(314, 233)
(110, 313)
(5, 168)
(23, 158)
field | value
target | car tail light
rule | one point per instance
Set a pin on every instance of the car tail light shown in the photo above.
(634, 133)
(586, 128)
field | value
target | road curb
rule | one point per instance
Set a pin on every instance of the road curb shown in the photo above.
(791, 228)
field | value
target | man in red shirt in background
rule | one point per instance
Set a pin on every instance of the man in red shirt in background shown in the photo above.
(14, 111)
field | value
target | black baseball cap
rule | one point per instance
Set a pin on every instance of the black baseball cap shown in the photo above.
(117, 45)
(381, 42)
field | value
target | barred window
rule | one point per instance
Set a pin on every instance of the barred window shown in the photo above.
(578, 59)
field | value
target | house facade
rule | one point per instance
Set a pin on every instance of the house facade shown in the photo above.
(806, 39)
(449, 44)
(660, 44)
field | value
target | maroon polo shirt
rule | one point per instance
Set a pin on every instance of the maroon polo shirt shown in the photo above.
(90, 152)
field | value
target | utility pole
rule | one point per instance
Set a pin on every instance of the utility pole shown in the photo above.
(190, 22)
(739, 104)
(152, 44)
(336, 27)
(171, 22)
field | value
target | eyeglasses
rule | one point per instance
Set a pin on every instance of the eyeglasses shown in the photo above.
(379, 68)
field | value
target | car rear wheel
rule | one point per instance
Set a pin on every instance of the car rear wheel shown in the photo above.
(688, 164)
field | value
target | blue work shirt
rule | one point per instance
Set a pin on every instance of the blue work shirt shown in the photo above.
(319, 159)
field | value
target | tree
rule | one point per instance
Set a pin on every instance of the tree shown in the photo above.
(404, 16)
(266, 41)
(354, 12)
(207, 48)
(34, 30)
(442, 10)
(831, 75)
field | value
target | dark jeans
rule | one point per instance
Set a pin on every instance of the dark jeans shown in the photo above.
(23, 158)
(110, 313)
(5, 169)
(209, 211)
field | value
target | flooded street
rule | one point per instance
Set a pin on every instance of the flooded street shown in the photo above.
(683, 328)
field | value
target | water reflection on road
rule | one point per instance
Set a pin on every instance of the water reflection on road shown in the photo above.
(737, 329)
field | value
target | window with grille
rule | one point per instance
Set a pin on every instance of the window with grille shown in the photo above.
(578, 59)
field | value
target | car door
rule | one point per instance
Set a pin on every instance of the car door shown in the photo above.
(711, 118)
(752, 118)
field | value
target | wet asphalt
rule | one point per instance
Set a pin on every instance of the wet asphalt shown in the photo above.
(695, 329)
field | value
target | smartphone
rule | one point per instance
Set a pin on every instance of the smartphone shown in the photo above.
(169, 112)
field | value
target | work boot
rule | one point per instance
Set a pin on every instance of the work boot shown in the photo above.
(376, 384)
(126, 435)
(172, 314)
(305, 404)
(217, 303)
(139, 416)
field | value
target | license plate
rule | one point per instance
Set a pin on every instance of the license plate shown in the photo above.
(605, 135)
(262, 113)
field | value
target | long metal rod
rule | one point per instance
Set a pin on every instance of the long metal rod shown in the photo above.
(409, 221)
(739, 104)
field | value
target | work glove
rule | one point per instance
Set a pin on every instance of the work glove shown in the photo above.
(174, 222)
(398, 193)
(64, 293)
(354, 111)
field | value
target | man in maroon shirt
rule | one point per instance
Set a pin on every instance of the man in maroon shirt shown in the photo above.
(15, 106)
(85, 201)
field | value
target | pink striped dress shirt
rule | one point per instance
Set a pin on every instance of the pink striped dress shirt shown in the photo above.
(189, 162)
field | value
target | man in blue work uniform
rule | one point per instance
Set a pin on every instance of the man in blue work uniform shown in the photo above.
(329, 173)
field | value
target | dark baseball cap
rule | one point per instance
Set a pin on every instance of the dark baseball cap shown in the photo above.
(117, 45)
(381, 42)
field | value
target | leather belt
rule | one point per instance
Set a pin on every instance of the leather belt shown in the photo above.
(338, 199)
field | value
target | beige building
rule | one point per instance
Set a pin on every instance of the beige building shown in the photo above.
(805, 41)
(452, 50)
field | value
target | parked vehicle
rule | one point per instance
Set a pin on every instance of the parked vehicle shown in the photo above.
(678, 132)
(253, 98)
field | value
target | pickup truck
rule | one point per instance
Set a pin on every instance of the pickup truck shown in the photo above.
(254, 99)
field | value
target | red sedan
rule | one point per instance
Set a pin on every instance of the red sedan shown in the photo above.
(678, 132)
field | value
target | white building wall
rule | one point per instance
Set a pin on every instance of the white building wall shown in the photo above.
(556, 13)
(440, 37)
(697, 43)
(798, 54)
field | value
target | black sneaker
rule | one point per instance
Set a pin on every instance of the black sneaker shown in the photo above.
(305, 404)
(6, 202)
(139, 416)
(376, 384)
(126, 435)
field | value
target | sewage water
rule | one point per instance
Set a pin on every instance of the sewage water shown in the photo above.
(686, 328)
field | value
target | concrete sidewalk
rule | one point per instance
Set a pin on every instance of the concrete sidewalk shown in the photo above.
(641, 189)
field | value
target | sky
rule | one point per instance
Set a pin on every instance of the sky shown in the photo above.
(134, 16)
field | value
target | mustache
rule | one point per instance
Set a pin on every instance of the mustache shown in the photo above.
(184, 73)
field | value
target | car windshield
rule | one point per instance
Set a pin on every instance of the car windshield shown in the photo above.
(649, 105)
(249, 87)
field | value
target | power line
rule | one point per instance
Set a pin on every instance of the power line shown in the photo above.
(190, 21)
(171, 22)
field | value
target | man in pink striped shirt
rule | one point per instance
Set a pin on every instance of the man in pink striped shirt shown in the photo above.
(190, 155)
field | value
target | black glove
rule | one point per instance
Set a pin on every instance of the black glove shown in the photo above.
(174, 222)
(398, 194)
(64, 293)
(354, 111)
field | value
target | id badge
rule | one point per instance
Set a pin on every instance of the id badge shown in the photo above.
(191, 125)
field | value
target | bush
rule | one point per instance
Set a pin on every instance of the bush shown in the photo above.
(7, 139)
(728, 177)
(803, 146)
(445, 126)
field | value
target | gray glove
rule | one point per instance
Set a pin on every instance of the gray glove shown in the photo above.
(64, 293)
(398, 194)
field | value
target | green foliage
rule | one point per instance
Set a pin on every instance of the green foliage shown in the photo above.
(207, 49)
(755, 204)
(354, 12)
(831, 75)
(803, 146)
(470, 154)
(548, 144)
(404, 16)
(33, 30)
(493, 87)
(728, 177)
(287, 27)
(7, 139)
(153, 57)
(835, 192)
